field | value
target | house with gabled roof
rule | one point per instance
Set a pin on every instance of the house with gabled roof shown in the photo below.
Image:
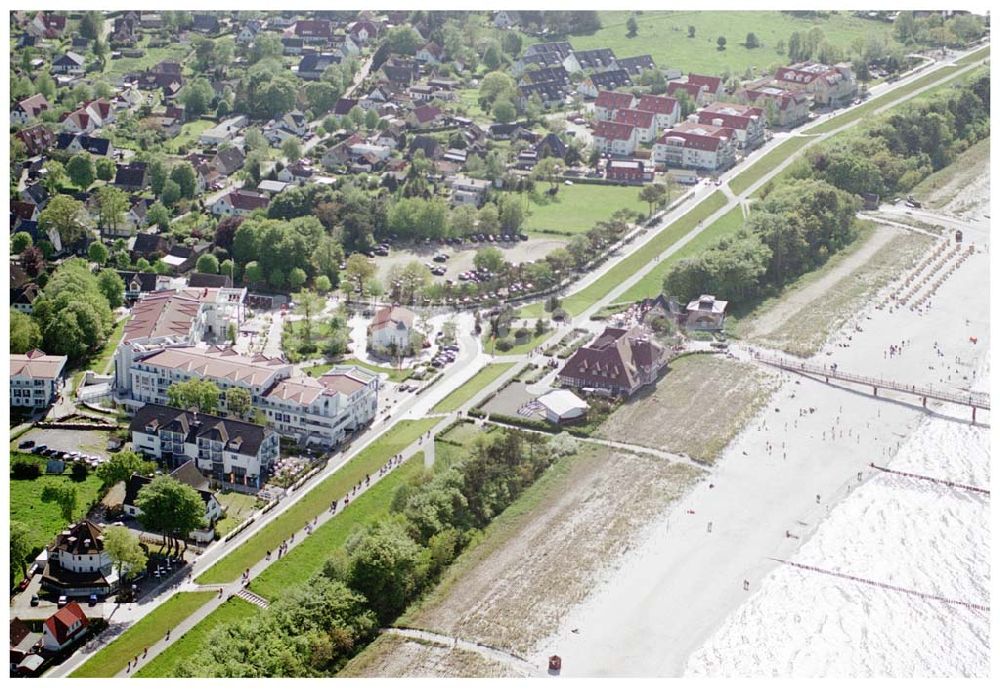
(391, 329)
(635, 65)
(610, 101)
(618, 362)
(696, 146)
(596, 60)
(69, 63)
(643, 121)
(78, 565)
(36, 139)
(239, 203)
(784, 108)
(748, 122)
(26, 110)
(666, 110)
(312, 66)
(64, 628)
(186, 473)
(424, 116)
(75, 143)
(430, 54)
(604, 81)
(35, 378)
(616, 138)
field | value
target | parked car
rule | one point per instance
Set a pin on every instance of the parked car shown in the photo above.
(25, 444)
(62, 600)
(41, 449)
(34, 600)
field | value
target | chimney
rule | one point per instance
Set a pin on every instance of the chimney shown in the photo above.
(717, 121)
(693, 117)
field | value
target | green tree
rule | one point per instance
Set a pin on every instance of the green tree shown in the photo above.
(21, 549)
(489, 258)
(201, 394)
(291, 149)
(197, 96)
(112, 204)
(504, 111)
(20, 241)
(105, 169)
(721, 42)
(751, 41)
(158, 215)
(496, 86)
(327, 257)
(238, 401)
(126, 553)
(64, 496)
(207, 263)
(170, 508)
(97, 253)
(67, 216)
(81, 171)
(25, 334)
(253, 274)
(403, 40)
(186, 178)
(653, 195)
(691, 31)
(359, 269)
(385, 568)
(122, 465)
(171, 193)
(308, 304)
(632, 26)
(322, 284)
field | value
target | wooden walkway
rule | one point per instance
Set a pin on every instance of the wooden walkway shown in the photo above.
(975, 400)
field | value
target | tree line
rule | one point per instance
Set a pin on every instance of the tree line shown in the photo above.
(314, 629)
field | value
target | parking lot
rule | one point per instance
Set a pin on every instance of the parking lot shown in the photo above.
(93, 444)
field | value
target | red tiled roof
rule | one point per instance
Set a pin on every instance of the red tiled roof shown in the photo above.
(732, 115)
(613, 359)
(426, 113)
(34, 105)
(247, 201)
(698, 136)
(636, 118)
(59, 623)
(661, 105)
(711, 83)
(613, 100)
(616, 131)
(693, 89)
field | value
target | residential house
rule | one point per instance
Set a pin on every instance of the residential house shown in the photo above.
(35, 378)
(696, 146)
(182, 258)
(312, 66)
(551, 146)
(635, 66)
(430, 54)
(135, 219)
(784, 108)
(343, 106)
(401, 73)
(748, 122)
(26, 110)
(628, 171)
(64, 627)
(323, 411)
(539, 61)
(558, 74)
(149, 246)
(643, 121)
(666, 110)
(248, 32)
(272, 187)
(827, 85)
(23, 642)
(139, 284)
(23, 297)
(424, 116)
(610, 101)
(292, 45)
(131, 177)
(392, 330)
(46, 25)
(239, 203)
(298, 172)
(311, 30)
(36, 139)
(618, 362)
(166, 76)
(561, 406)
(125, 31)
(597, 60)
(550, 93)
(225, 131)
(75, 143)
(706, 314)
(465, 190)
(696, 93)
(363, 31)
(429, 145)
(78, 564)
(186, 473)
(615, 138)
(604, 81)
(69, 63)
(228, 450)
(506, 19)
(228, 160)
(714, 88)
(205, 22)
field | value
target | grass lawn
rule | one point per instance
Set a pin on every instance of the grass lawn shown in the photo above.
(238, 507)
(577, 208)
(873, 104)
(397, 375)
(190, 131)
(463, 433)
(188, 644)
(146, 631)
(650, 285)
(44, 520)
(462, 394)
(579, 302)
(973, 57)
(469, 99)
(489, 345)
(317, 500)
(124, 65)
(307, 559)
(767, 162)
(664, 35)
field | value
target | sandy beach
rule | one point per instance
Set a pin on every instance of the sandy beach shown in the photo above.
(705, 566)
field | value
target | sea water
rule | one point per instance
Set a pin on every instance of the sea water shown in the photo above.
(900, 531)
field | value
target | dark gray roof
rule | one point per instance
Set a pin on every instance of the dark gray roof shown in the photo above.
(243, 437)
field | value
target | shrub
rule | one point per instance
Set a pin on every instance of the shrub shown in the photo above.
(505, 344)
(560, 314)
(79, 471)
(25, 469)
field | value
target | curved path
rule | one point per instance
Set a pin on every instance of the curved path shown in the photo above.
(523, 666)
